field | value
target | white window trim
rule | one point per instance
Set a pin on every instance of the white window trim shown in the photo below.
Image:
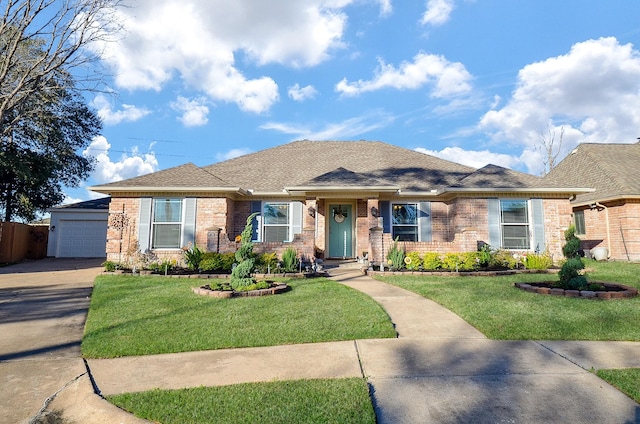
(261, 221)
(529, 224)
(153, 223)
(416, 204)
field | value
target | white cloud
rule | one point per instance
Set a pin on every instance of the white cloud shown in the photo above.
(300, 94)
(473, 158)
(438, 12)
(194, 112)
(197, 40)
(385, 7)
(349, 128)
(128, 113)
(129, 165)
(593, 92)
(449, 78)
(233, 153)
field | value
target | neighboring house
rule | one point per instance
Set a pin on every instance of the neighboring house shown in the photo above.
(79, 230)
(609, 216)
(337, 199)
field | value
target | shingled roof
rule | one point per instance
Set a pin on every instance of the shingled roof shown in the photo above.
(185, 177)
(302, 162)
(308, 166)
(613, 170)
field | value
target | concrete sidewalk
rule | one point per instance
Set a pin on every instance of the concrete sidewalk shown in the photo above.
(439, 369)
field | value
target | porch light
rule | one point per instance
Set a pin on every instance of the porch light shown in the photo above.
(374, 212)
(312, 211)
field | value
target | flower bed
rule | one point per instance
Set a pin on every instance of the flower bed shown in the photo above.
(607, 291)
(206, 290)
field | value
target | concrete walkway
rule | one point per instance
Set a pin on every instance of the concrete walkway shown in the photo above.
(439, 370)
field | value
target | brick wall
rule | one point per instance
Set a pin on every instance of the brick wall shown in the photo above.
(622, 235)
(122, 230)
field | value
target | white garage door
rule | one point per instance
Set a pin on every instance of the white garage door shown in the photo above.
(82, 239)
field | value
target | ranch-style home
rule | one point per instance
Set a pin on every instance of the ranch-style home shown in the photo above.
(337, 199)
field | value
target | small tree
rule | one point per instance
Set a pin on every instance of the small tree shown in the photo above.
(569, 274)
(241, 274)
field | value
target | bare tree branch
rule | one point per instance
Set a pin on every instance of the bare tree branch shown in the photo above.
(550, 147)
(63, 31)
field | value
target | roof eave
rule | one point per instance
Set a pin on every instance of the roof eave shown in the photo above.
(605, 200)
(147, 189)
(554, 190)
(337, 189)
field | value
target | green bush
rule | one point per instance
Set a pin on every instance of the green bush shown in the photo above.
(395, 257)
(161, 267)
(570, 277)
(504, 259)
(451, 261)
(290, 260)
(431, 261)
(541, 261)
(241, 274)
(469, 261)
(192, 257)
(109, 266)
(217, 262)
(267, 262)
(413, 261)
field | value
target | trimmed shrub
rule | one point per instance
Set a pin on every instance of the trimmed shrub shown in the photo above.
(241, 274)
(431, 261)
(267, 262)
(413, 261)
(451, 261)
(469, 261)
(570, 277)
(504, 259)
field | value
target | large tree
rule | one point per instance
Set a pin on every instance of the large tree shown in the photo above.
(46, 63)
(40, 155)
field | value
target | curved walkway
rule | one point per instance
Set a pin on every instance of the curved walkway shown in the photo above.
(439, 369)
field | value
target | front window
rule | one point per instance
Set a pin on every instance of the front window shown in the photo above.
(167, 223)
(514, 220)
(578, 219)
(404, 220)
(276, 222)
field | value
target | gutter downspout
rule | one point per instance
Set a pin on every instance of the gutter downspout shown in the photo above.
(606, 217)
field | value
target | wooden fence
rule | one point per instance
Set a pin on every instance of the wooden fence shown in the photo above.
(21, 241)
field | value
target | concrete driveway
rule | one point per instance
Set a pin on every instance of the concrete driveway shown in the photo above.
(43, 307)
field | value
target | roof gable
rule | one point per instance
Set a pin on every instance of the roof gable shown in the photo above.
(613, 170)
(495, 176)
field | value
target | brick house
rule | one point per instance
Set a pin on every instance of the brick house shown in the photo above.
(337, 199)
(609, 216)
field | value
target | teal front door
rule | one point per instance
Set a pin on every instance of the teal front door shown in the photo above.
(340, 231)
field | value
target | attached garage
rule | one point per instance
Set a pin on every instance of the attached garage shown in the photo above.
(79, 230)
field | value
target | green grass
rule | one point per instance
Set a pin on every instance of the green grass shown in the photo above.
(141, 315)
(300, 401)
(500, 311)
(625, 380)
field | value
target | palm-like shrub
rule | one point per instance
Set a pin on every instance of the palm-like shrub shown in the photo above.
(395, 257)
(289, 259)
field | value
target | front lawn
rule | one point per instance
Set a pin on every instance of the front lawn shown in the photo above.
(625, 380)
(500, 311)
(142, 315)
(301, 401)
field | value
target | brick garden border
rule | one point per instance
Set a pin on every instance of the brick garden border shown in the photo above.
(227, 294)
(618, 291)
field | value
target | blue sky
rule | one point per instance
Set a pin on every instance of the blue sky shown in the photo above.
(473, 81)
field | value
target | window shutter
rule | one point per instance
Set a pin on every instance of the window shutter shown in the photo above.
(256, 206)
(495, 233)
(296, 218)
(144, 226)
(385, 213)
(424, 221)
(189, 226)
(537, 207)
